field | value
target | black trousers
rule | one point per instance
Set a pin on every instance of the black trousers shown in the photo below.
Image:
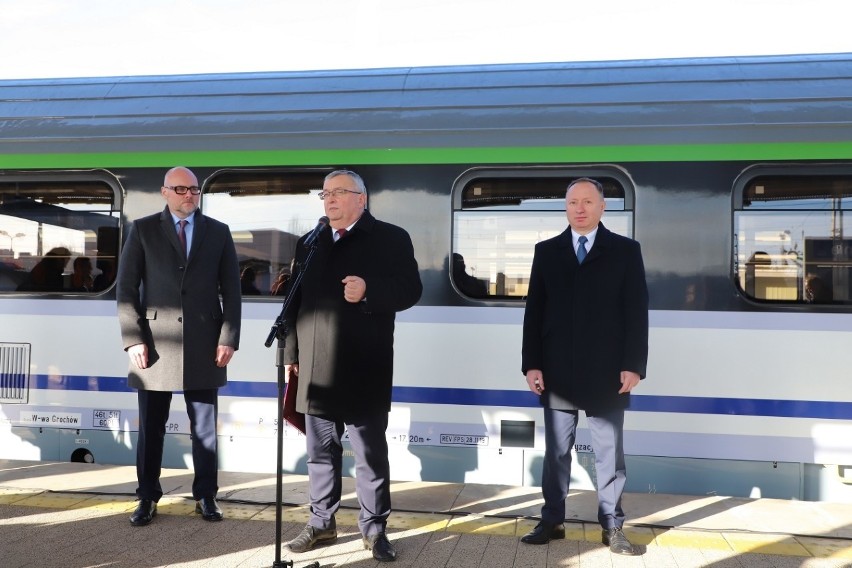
(202, 406)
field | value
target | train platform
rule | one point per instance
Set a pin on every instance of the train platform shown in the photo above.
(73, 515)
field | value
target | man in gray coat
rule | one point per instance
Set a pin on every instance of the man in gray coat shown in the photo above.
(341, 348)
(178, 334)
(585, 347)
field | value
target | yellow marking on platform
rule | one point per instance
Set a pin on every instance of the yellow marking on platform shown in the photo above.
(175, 506)
(107, 503)
(267, 514)
(775, 544)
(765, 544)
(476, 524)
(642, 536)
(407, 521)
(14, 496)
(690, 539)
(346, 518)
(826, 548)
(523, 526)
(52, 500)
(242, 511)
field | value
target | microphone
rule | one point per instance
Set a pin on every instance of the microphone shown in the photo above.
(312, 237)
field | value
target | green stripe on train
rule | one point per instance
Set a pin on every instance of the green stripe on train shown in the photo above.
(538, 155)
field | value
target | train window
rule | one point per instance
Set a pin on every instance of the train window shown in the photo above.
(499, 216)
(59, 233)
(267, 212)
(789, 237)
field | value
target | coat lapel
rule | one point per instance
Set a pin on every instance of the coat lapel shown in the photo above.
(199, 229)
(168, 227)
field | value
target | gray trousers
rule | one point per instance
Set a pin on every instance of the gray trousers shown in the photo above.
(560, 428)
(372, 470)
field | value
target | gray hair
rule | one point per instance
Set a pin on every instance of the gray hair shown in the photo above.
(359, 183)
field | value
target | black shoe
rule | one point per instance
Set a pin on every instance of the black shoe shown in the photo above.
(617, 542)
(145, 512)
(544, 533)
(310, 537)
(383, 550)
(209, 509)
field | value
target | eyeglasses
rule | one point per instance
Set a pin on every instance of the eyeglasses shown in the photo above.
(182, 189)
(335, 192)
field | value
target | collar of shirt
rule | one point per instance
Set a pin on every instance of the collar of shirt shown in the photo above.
(590, 239)
(334, 234)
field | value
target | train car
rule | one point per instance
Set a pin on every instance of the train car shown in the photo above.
(734, 174)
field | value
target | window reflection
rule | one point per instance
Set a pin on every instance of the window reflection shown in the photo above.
(500, 221)
(267, 211)
(790, 241)
(47, 223)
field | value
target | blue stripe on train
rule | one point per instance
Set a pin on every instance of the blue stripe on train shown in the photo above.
(523, 399)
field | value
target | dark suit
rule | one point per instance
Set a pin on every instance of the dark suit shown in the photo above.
(583, 325)
(173, 305)
(345, 356)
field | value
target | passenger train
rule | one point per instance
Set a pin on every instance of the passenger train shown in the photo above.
(734, 174)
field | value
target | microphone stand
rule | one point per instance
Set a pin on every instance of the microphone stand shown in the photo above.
(279, 330)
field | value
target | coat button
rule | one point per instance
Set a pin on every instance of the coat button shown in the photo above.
(180, 320)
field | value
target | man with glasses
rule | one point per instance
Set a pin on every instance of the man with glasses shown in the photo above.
(340, 347)
(585, 347)
(178, 334)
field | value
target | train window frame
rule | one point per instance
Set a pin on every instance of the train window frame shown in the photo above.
(266, 279)
(100, 242)
(789, 266)
(465, 281)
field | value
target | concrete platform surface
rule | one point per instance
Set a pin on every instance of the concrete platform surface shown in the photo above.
(73, 515)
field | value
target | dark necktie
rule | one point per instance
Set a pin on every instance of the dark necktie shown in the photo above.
(341, 233)
(182, 234)
(581, 249)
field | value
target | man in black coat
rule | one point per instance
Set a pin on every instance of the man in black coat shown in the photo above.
(177, 332)
(585, 347)
(340, 347)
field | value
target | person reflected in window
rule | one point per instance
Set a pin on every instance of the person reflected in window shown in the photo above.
(247, 284)
(179, 309)
(341, 351)
(816, 290)
(279, 285)
(47, 274)
(81, 278)
(103, 280)
(467, 284)
(585, 347)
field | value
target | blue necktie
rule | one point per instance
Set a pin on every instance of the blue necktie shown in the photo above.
(581, 249)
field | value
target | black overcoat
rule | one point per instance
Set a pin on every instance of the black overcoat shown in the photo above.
(345, 350)
(585, 323)
(174, 306)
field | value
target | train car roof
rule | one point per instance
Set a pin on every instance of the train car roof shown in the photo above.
(767, 99)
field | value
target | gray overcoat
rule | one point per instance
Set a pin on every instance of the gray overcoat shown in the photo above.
(173, 305)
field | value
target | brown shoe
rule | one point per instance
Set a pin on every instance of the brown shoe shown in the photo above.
(617, 542)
